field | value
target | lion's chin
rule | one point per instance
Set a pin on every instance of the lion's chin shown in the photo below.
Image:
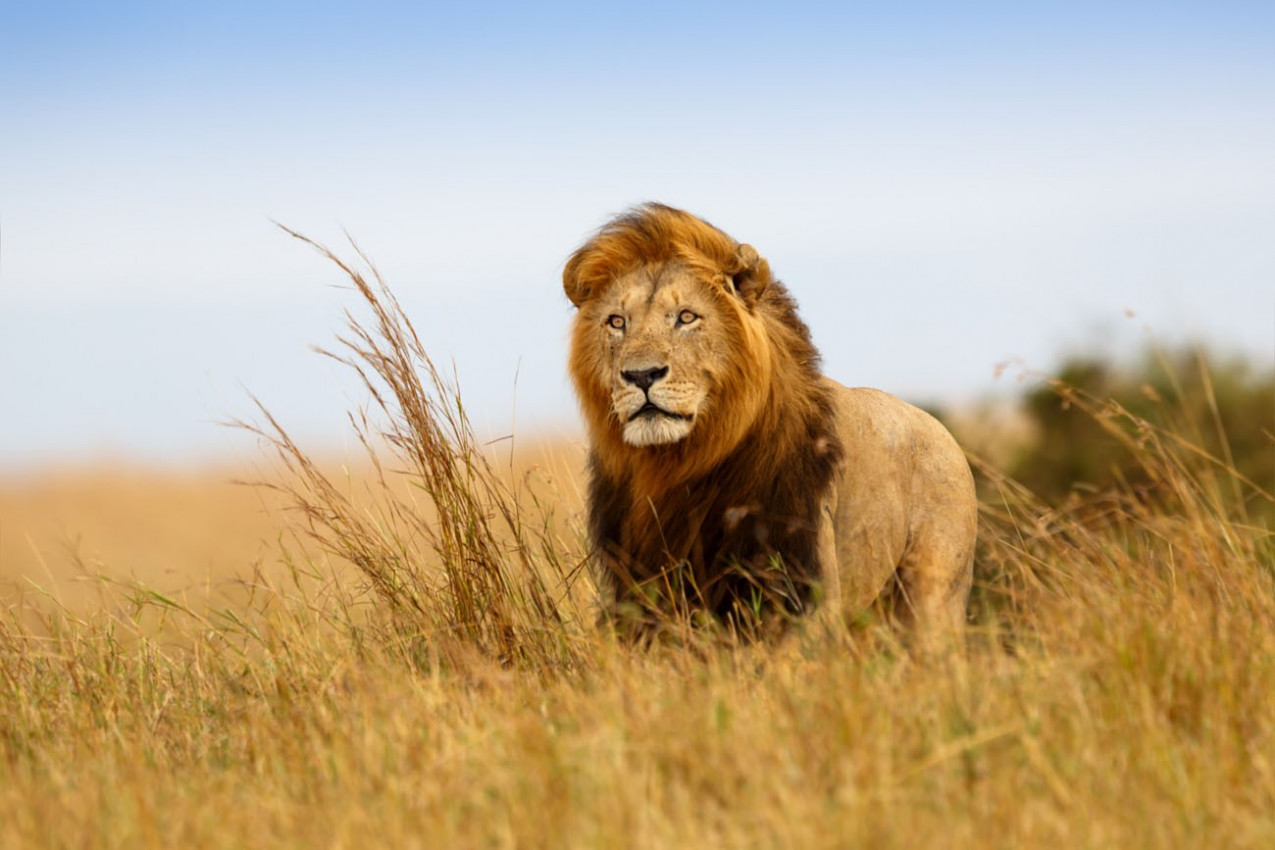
(656, 430)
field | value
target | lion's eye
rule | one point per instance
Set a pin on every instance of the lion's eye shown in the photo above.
(616, 322)
(686, 317)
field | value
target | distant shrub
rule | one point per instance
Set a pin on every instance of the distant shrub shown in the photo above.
(1086, 438)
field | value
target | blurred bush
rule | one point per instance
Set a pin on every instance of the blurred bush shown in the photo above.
(1084, 423)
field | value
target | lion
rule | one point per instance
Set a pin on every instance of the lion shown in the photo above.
(727, 475)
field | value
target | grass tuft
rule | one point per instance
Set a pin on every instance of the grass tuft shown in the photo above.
(466, 562)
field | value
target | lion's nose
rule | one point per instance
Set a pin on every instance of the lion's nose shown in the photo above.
(643, 378)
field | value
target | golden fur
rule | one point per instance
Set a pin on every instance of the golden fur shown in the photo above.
(726, 472)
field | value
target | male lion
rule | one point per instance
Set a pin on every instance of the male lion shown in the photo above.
(726, 474)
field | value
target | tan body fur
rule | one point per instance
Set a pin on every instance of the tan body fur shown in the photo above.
(726, 472)
(902, 506)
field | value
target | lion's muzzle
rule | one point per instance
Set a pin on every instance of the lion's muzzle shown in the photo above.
(644, 379)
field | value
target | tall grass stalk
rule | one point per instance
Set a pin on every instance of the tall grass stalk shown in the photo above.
(471, 565)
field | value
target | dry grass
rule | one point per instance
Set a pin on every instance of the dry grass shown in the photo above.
(69, 534)
(420, 670)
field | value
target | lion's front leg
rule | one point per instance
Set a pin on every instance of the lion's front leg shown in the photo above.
(832, 597)
(830, 608)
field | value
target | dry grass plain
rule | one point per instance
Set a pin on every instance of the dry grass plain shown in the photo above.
(405, 657)
(185, 532)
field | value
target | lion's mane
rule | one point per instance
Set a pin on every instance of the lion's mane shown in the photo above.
(729, 514)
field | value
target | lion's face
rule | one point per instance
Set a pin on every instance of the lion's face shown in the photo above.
(663, 339)
(670, 347)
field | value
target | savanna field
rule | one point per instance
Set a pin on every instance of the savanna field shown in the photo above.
(399, 649)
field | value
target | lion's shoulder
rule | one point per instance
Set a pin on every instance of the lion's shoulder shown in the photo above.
(897, 452)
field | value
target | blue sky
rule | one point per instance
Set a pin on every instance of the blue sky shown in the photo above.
(943, 188)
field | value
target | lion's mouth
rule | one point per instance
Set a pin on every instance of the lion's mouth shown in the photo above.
(650, 410)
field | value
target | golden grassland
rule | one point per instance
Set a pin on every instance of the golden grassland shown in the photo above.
(406, 657)
(184, 532)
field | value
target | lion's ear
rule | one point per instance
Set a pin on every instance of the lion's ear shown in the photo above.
(573, 284)
(751, 273)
